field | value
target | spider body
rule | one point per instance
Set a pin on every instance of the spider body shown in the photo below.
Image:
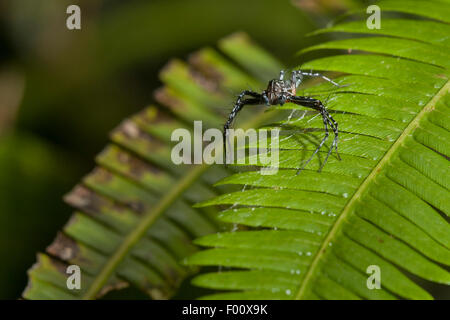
(278, 92)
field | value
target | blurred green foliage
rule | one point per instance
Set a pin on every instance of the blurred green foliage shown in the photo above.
(33, 175)
(80, 84)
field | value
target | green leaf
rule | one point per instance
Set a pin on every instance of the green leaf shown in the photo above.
(134, 221)
(386, 204)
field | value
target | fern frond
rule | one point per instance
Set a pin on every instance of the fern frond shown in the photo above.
(134, 221)
(387, 202)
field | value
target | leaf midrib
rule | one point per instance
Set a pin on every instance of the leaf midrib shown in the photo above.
(136, 234)
(307, 280)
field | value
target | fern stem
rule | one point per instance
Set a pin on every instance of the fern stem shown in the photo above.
(134, 236)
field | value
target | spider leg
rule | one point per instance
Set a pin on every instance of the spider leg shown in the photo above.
(316, 105)
(239, 104)
(316, 74)
(330, 150)
(334, 126)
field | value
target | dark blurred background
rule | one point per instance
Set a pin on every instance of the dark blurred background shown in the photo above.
(62, 91)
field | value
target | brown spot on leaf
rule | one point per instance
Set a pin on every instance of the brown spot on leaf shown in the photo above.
(137, 167)
(206, 78)
(163, 96)
(79, 197)
(100, 175)
(130, 129)
(213, 76)
(63, 247)
(90, 202)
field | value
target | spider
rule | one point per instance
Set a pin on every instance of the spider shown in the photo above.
(280, 91)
